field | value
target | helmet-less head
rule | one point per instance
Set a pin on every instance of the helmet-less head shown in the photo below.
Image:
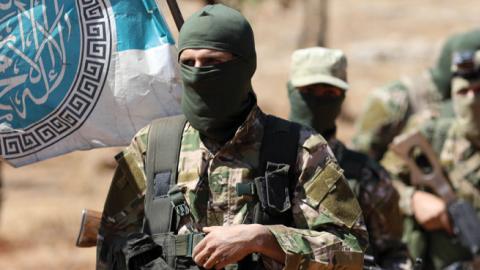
(217, 59)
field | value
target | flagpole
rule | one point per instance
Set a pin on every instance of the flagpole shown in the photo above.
(176, 13)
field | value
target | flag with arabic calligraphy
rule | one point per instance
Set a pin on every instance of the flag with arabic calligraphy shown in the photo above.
(79, 74)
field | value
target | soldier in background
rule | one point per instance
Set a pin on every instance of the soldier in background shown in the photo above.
(305, 214)
(316, 90)
(456, 141)
(389, 108)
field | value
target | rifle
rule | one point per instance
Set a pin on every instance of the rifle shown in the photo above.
(87, 236)
(465, 221)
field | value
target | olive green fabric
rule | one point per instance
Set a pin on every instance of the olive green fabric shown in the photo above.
(323, 183)
(218, 98)
(441, 73)
(219, 27)
(318, 113)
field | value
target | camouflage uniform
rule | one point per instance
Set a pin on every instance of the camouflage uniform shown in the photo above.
(379, 202)
(328, 223)
(389, 108)
(460, 159)
(312, 69)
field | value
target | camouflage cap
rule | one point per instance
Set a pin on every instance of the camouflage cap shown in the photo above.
(319, 65)
(465, 69)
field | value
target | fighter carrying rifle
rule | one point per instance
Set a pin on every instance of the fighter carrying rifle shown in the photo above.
(444, 167)
(426, 172)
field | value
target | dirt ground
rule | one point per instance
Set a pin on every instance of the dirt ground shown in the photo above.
(383, 40)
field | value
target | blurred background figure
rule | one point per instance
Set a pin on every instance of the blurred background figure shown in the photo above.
(316, 90)
(390, 107)
(455, 140)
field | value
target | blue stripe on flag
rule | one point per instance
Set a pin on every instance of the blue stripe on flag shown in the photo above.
(139, 25)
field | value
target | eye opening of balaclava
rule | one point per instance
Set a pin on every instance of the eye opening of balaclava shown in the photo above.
(317, 112)
(316, 67)
(218, 98)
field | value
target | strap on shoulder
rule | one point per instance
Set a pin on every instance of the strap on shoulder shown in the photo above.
(279, 144)
(164, 141)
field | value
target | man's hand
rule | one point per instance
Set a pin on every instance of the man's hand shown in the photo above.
(430, 212)
(225, 245)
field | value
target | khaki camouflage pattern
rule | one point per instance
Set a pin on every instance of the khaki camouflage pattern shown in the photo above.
(388, 109)
(461, 161)
(379, 201)
(329, 225)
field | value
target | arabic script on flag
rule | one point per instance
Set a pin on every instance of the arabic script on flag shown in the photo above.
(81, 74)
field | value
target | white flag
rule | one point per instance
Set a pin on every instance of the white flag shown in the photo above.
(80, 74)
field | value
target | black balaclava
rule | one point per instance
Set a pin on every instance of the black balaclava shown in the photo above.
(318, 113)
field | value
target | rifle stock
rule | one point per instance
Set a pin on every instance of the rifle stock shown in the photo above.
(87, 236)
(463, 216)
(427, 175)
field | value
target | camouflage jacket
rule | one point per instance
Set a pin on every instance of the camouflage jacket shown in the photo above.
(388, 110)
(461, 162)
(379, 201)
(328, 222)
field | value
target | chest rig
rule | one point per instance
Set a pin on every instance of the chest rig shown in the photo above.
(159, 247)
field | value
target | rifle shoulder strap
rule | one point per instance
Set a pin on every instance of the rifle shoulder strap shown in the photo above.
(280, 145)
(164, 142)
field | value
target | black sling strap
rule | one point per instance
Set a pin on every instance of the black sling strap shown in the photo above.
(279, 148)
(164, 140)
(279, 144)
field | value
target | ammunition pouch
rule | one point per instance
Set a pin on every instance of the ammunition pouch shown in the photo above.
(141, 252)
(273, 195)
(161, 251)
(273, 189)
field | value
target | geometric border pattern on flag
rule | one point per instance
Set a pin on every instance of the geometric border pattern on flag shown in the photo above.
(96, 52)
